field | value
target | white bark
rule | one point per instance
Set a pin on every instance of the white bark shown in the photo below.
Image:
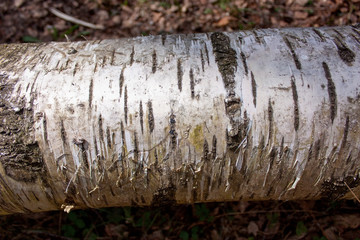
(263, 114)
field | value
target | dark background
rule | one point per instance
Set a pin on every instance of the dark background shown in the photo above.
(31, 21)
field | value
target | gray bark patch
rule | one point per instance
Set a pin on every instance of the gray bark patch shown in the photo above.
(225, 57)
(331, 91)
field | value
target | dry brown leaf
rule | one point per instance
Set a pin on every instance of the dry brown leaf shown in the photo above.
(223, 21)
(330, 233)
(156, 16)
(253, 228)
(18, 3)
(347, 221)
(300, 15)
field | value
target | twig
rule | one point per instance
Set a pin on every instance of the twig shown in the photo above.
(74, 20)
(352, 192)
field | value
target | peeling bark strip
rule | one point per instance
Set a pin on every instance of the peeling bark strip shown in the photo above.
(296, 104)
(154, 62)
(253, 88)
(179, 74)
(331, 91)
(192, 83)
(150, 117)
(225, 57)
(293, 54)
(344, 52)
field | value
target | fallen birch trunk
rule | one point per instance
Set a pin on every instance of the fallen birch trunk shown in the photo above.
(252, 115)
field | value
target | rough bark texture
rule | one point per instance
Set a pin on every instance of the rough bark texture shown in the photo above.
(180, 119)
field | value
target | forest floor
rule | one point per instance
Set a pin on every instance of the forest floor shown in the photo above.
(33, 21)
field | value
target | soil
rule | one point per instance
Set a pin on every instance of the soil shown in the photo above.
(32, 21)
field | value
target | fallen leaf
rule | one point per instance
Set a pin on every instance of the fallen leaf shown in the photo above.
(18, 3)
(347, 221)
(223, 21)
(300, 15)
(253, 228)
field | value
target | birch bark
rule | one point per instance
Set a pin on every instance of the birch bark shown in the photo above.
(252, 115)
